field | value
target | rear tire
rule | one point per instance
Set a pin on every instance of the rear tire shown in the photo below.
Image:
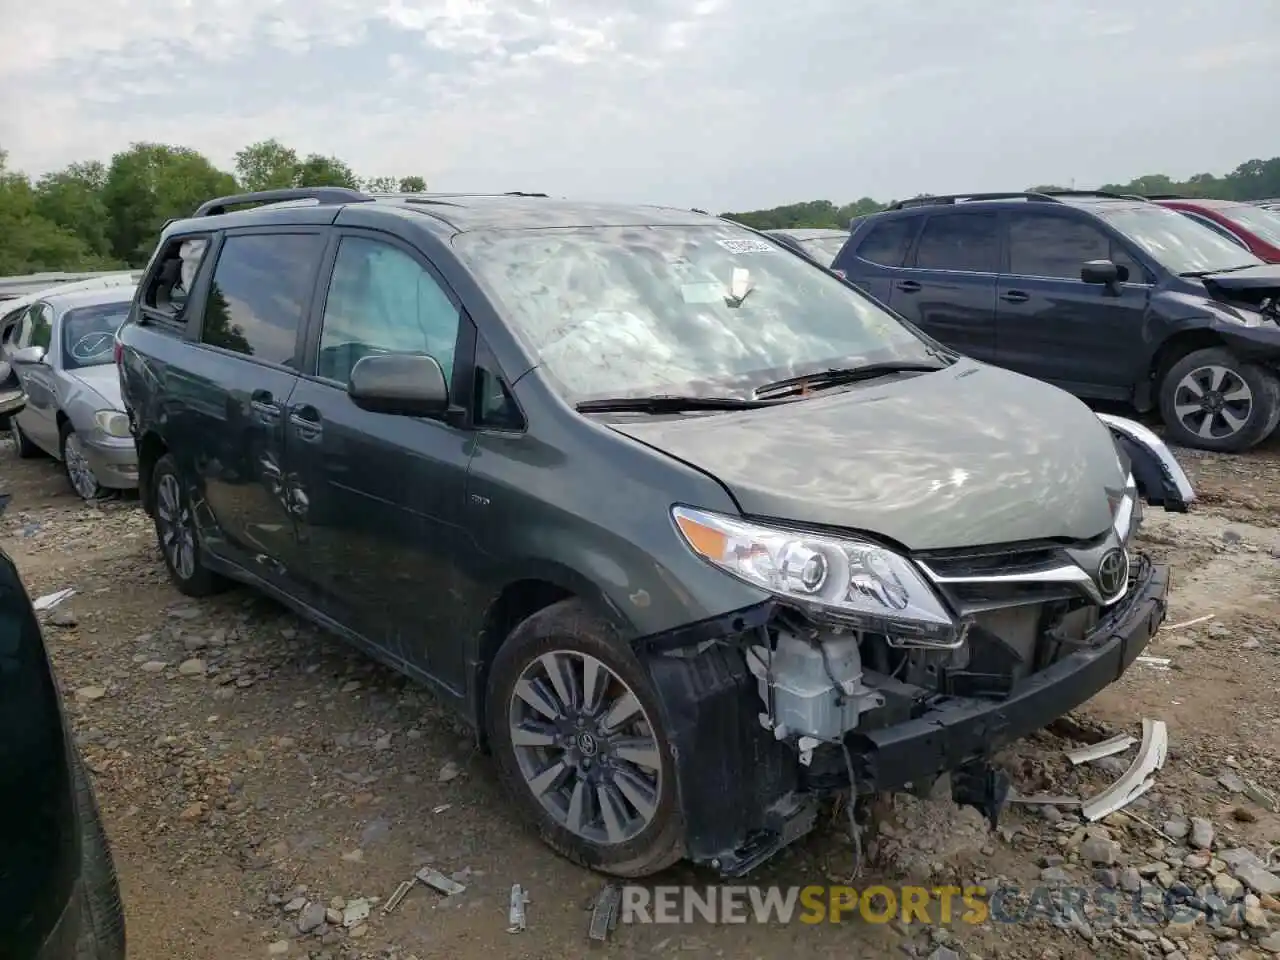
(25, 448)
(102, 935)
(625, 765)
(79, 473)
(1212, 400)
(177, 533)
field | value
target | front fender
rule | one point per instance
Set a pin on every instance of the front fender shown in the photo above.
(1160, 478)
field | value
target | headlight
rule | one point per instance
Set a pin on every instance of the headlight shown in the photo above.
(856, 582)
(112, 422)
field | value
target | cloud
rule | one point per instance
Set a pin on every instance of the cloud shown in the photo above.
(710, 103)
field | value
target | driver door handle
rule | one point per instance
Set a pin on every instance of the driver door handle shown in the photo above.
(908, 286)
(305, 421)
(1015, 296)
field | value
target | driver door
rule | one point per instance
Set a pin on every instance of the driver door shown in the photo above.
(39, 419)
(378, 498)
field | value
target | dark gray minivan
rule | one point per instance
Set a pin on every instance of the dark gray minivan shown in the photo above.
(692, 531)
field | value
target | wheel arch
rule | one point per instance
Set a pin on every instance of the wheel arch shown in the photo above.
(1172, 349)
(150, 449)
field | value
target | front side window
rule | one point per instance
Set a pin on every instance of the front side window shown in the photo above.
(381, 300)
(89, 334)
(259, 292)
(691, 309)
(969, 242)
(1048, 245)
(1177, 243)
(40, 321)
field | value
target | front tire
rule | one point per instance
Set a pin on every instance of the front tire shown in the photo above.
(1212, 400)
(580, 743)
(25, 448)
(76, 466)
(102, 935)
(176, 530)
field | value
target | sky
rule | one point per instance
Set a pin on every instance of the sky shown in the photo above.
(719, 104)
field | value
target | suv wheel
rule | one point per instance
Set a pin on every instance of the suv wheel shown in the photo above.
(1212, 400)
(79, 473)
(580, 744)
(25, 448)
(176, 530)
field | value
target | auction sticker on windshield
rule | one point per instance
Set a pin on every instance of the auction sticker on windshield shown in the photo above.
(749, 245)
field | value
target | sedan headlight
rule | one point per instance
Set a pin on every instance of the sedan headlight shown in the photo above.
(112, 422)
(839, 578)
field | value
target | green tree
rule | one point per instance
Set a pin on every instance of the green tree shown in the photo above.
(380, 185)
(151, 183)
(267, 165)
(413, 185)
(218, 328)
(72, 198)
(319, 171)
(29, 241)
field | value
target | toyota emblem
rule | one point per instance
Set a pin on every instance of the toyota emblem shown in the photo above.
(1113, 573)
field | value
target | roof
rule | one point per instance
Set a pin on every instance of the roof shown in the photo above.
(1204, 202)
(809, 233)
(457, 212)
(89, 298)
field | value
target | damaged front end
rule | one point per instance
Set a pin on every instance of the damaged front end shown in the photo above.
(874, 671)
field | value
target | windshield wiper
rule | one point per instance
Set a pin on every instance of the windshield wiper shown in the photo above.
(667, 403)
(1209, 273)
(841, 375)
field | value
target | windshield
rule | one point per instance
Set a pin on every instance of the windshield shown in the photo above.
(1177, 243)
(824, 249)
(637, 311)
(1261, 222)
(89, 333)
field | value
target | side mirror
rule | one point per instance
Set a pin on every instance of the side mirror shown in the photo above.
(403, 384)
(1102, 272)
(28, 355)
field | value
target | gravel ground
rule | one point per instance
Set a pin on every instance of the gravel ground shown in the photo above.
(259, 779)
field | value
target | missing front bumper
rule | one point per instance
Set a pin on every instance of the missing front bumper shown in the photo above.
(744, 795)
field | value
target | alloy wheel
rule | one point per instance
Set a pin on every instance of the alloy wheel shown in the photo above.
(586, 747)
(78, 469)
(177, 528)
(15, 431)
(1213, 402)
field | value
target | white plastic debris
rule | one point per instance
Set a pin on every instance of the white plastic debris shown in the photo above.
(51, 600)
(516, 912)
(356, 911)
(1096, 751)
(438, 881)
(1137, 780)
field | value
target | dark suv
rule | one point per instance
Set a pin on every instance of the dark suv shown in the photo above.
(690, 529)
(1110, 297)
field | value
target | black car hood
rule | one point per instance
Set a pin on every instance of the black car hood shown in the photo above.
(1262, 277)
(969, 456)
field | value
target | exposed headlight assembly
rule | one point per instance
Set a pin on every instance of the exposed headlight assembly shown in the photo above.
(850, 581)
(112, 422)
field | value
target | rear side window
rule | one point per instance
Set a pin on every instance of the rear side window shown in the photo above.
(966, 241)
(888, 241)
(1043, 245)
(259, 293)
(166, 290)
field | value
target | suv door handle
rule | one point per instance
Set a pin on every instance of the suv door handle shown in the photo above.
(1015, 296)
(264, 406)
(305, 421)
(908, 286)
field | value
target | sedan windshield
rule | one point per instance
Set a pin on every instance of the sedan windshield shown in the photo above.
(1178, 243)
(643, 310)
(1261, 222)
(89, 333)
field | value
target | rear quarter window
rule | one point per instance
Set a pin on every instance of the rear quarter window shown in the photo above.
(168, 285)
(886, 243)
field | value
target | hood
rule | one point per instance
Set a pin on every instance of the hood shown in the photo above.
(103, 379)
(970, 456)
(1254, 286)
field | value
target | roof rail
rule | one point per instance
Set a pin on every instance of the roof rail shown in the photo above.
(521, 193)
(964, 197)
(1093, 193)
(1170, 196)
(321, 195)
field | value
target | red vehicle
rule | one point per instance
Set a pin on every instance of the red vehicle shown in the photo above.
(1255, 228)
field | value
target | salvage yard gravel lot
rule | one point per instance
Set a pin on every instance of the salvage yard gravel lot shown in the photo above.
(257, 776)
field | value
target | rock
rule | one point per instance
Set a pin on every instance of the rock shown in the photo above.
(353, 856)
(1228, 887)
(192, 668)
(1177, 827)
(1181, 927)
(311, 917)
(153, 666)
(1097, 850)
(63, 617)
(1231, 781)
(333, 916)
(448, 772)
(295, 905)
(193, 642)
(1271, 942)
(1197, 861)
(186, 613)
(382, 743)
(1130, 880)
(1151, 869)
(1269, 903)
(1243, 815)
(90, 693)
(1054, 875)
(1201, 833)
(1253, 643)
(1107, 877)
(351, 686)
(278, 949)
(1255, 918)
(358, 931)
(1166, 878)
(944, 953)
(1258, 879)
(193, 812)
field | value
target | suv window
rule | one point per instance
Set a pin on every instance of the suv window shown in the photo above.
(259, 293)
(965, 241)
(1045, 245)
(381, 300)
(171, 281)
(888, 241)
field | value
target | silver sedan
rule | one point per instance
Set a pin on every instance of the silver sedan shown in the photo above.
(63, 351)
